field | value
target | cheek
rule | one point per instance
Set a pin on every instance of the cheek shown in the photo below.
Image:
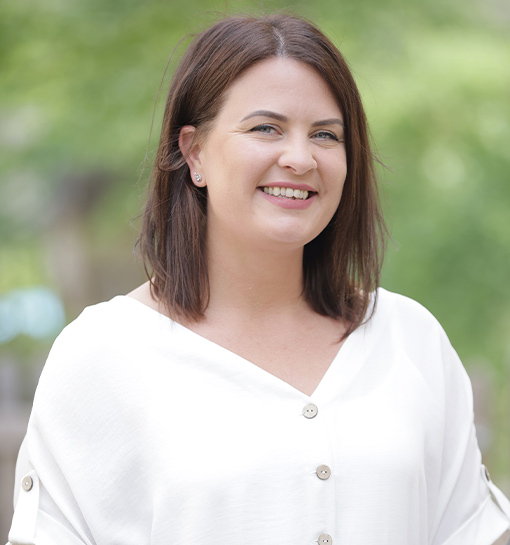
(253, 161)
(335, 175)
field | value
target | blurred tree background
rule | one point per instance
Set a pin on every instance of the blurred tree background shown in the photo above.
(79, 88)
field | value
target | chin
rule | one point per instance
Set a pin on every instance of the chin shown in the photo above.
(293, 238)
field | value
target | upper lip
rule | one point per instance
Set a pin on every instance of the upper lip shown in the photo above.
(292, 185)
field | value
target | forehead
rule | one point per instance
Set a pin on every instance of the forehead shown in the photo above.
(280, 82)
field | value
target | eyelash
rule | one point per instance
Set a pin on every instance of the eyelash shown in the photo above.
(259, 128)
(328, 134)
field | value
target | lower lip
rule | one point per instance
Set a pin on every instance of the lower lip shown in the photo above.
(293, 204)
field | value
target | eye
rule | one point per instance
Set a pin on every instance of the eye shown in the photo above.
(326, 135)
(264, 129)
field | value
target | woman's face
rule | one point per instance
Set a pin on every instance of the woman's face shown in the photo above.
(279, 132)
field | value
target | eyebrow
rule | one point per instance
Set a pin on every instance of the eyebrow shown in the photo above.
(283, 118)
(331, 121)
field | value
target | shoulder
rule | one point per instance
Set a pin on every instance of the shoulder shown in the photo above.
(101, 370)
(103, 319)
(120, 322)
(105, 345)
(94, 395)
(406, 331)
(401, 307)
(406, 316)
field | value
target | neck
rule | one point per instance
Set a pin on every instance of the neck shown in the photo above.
(254, 283)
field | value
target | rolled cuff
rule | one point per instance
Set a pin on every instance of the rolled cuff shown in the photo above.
(30, 525)
(490, 525)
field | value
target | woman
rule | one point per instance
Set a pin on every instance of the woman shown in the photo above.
(257, 389)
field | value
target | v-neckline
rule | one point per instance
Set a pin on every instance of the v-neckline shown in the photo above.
(327, 377)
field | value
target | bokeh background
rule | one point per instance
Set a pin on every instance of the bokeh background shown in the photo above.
(79, 87)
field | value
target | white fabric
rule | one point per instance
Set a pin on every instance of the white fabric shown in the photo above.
(143, 432)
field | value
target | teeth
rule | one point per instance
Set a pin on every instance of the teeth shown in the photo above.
(286, 192)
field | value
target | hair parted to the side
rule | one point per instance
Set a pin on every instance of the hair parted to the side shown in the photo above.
(341, 267)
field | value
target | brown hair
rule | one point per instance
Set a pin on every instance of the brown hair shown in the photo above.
(341, 266)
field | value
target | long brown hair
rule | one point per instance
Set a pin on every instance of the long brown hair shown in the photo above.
(341, 266)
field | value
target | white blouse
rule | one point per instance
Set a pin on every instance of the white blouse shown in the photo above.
(143, 432)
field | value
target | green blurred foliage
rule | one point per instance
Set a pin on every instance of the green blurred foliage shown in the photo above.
(79, 83)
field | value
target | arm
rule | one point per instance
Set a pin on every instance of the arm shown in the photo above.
(471, 509)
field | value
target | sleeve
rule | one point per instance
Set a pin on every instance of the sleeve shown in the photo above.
(46, 511)
(31, 525)
(81, 477)
(470, 510)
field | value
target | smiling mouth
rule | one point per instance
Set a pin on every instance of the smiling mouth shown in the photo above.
(288, 193)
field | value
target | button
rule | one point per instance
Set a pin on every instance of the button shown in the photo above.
(323, 472)
(27, 483)
(310, 411)
(325, 539)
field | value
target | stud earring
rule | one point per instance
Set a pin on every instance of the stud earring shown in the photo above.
(198, 178)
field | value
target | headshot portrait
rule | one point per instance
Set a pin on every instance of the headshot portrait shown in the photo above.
(254, 275)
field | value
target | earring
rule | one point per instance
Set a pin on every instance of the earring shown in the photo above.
(198, 178)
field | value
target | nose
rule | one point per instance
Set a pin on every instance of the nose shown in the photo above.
(297, 156)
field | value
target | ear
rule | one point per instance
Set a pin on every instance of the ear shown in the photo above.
(191, 153)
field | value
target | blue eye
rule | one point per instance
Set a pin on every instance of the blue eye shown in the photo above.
(265, 129)
(325, 135)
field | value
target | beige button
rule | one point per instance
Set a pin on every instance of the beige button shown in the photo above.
(27, 483)
(310, 411)
(325, 539)
(323, 472)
